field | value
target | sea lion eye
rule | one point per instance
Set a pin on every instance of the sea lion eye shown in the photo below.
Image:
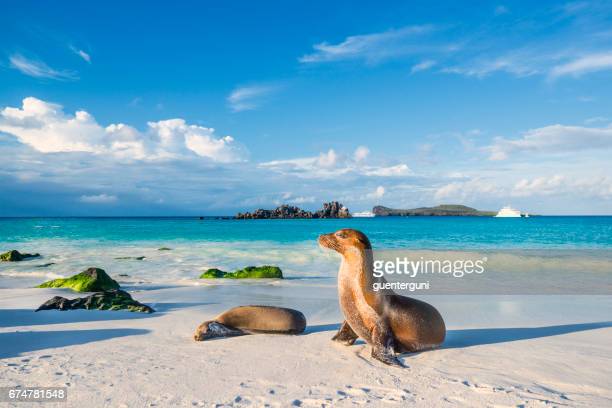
(341, 234)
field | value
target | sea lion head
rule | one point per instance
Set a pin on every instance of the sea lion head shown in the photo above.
(345, 239)
(211, 329)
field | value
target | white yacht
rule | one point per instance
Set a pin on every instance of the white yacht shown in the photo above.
(508, 212)
(364, 214)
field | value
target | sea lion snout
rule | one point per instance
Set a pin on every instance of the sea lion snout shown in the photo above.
(344, 238)
(328, 241)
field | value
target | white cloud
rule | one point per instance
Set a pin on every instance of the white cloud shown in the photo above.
(38, 69)
(45, 127)
(552, 139)
(330, 165)
(361, 153)
(370, 47)
(422, 66)
(466, 190)
(391, 171)
(85, 56)
(300, 200)
(520, 63)
(249, 97)
(583, 65)
(317, 166)
(378, 193)
(539, 185)
(559, 185)
(597, 119)
(98, 199)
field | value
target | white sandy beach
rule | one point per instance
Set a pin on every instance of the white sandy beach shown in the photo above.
(500, 351)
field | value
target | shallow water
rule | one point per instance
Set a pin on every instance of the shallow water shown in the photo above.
(535, 244)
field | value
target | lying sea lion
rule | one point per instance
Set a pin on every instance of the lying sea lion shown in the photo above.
(388, 322)
(243, 320)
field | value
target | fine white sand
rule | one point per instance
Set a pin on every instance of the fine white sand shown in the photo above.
(500, 351)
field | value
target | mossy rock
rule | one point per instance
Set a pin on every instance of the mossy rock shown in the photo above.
(213, 273)
(107, 300)
(250, 272)
(15, 256)
(90, 280)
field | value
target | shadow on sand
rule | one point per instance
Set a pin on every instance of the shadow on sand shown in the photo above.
(316, 328)
(16, 343)
(478, 337)
(28, 317)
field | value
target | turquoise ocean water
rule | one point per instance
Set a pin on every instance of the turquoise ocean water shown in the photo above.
(384, 232)
(70, 245)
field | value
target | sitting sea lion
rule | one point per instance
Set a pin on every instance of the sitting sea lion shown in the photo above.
(389, 323)
(252, 319)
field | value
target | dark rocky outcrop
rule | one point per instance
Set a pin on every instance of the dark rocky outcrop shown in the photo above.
(250, 272)
(90, 280)
(136, 258)
(15, 256)
(440, 210)
(164, 249)
(107, 300)
(332, 209)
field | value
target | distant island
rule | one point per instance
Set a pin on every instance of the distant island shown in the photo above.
(440, 210)
(333, 209)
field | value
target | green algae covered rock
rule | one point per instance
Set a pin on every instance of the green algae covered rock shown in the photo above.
(164, 249)
(15, 256)
(250, 272)
(213, 273)
(108, 300)
(90, 280)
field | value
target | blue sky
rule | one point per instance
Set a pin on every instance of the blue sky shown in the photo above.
(212, 108)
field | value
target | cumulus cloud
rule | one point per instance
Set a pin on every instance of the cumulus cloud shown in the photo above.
(369, 47)
(38, 69)
(361, 153)
(378, 193)
(552, 139)
(249, 97)
(330, 164)
(45, 127)
(98, 199)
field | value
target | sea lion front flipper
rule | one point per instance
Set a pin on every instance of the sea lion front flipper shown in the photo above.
(345, 335)
(383, 344)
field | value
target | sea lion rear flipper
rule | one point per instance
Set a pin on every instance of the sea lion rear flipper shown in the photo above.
(383, 344)
(345, 335)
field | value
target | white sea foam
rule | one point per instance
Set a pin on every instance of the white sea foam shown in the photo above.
(303, 262)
